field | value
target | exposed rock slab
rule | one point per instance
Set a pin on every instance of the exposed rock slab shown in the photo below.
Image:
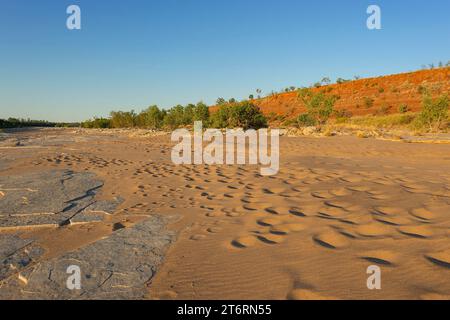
(117, 267)
(54, 197)
(16, 254)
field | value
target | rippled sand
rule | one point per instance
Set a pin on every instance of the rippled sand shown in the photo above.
(337, 206)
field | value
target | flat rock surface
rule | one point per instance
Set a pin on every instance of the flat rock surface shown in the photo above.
(53, 197)
(117, 267)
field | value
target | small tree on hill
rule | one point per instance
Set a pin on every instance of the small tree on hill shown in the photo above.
(434, 113)
(326, 80)
(340, 80)
(319, 106)
(220, 101)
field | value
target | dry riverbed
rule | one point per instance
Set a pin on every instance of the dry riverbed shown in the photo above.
(140, 227)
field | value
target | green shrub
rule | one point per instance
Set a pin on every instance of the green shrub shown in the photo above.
(403, 108)
(243, 115)
(272, 116)
(97, 123)
(176, 117)
(368, 102)
(434, 114)
(220, 101)
(290, 123)
(305, 120)
(201, 113)
(121, 119)
(421, 89)
(384, 110)
(340, 80)
(325, 80)
(152, 117)
(319, 105)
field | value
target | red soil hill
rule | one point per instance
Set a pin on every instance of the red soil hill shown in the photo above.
(381, 95)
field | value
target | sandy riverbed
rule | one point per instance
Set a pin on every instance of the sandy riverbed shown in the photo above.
(337, 206)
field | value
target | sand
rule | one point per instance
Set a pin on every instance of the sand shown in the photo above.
(337, 206)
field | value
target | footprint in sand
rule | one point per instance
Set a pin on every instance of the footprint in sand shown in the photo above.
(197, 237)
(390, 211)
(244, 242)
(340, 192)
(441, 258)
(331, 240)
(381, 196)
(269, 221)
(214, 229)
(332, 212)
(394, 220)
(303, 294)
(422, 231)
(338, 204)
(373, 230)
(250, 207)
(423, 213)
(281, 210)
(322, 195)
(359, 188)
(230, 195)
(233, 212)
(246, 199)
(352, 179)
(297, 189)
(286, 228)
(274, 190)
(271, 238)
(289, 181)
(384, 257)
(214, 214)
(298, 212)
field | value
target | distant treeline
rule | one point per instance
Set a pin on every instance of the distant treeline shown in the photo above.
(229, 115)
(21, 123)
(24, 123)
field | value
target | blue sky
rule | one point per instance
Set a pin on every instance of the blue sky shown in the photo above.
(130, 54)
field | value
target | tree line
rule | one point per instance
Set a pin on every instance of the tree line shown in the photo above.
(21, 123)
(232, 114)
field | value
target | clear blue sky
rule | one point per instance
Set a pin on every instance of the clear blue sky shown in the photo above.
(130, 54)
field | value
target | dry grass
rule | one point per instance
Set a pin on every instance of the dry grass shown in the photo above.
(399, 121)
